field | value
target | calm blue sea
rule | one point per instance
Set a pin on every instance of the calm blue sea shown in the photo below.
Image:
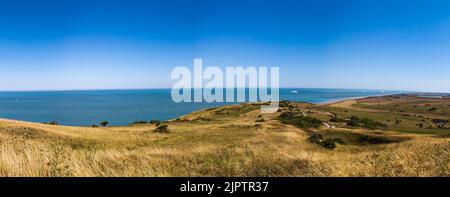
(122, 107)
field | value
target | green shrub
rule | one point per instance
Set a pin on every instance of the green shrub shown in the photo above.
(337, 140)
(432, 109)
(140, 122)
(439, 121)
(284, 103)
(51, 123)
(300, 121)
(354, 121)
(204, 119)
(336, 119)
(329, 144)
(162, 129)
(104, 123)
(181, 120)
(315, 138)
(156, 122)
(420, 125)
(365, 123)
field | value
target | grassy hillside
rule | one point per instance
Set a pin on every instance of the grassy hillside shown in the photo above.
(380, 136)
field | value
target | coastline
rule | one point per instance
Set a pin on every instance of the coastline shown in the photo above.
(354, 98)
(336, 101)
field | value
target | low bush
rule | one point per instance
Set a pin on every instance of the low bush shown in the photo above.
(328, 144)
(156, 122)
(140, 122)
(337, 140)
(432, 109)
(439, 121)
(51, 123)
(162, 129)
(365, 123)
(181, 120)
(284, 103)
(104, 123)
(336, 119)
(333, 119)
(300, 121)
(316, 138)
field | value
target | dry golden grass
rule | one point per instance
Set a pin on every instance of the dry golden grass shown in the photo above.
(220, 142)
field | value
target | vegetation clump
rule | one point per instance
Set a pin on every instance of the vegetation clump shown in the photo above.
(439, 121)
(140, 122)
(284, 103)
(316, 138)
(181, 120)
(236, 111)
(335, 118)
(51, 123)
(329, 144)
(104, 123)
(337, 140)
(420, 125)
(156, 122)
(203, 119)
(365, 123)
(432, 109)
(299, 120)
(360, 139)
(162, 129)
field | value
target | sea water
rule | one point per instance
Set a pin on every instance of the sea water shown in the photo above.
(122, 107)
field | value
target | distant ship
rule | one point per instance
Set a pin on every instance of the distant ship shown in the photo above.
(294, 91)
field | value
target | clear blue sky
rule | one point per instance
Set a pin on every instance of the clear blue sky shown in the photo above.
(96, 44)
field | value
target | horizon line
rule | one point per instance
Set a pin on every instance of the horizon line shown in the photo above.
(164, 88)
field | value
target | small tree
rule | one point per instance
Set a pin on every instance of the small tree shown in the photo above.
(420, 125)
(53, 123)
(156, 122)
(162, 129)
(104, 123)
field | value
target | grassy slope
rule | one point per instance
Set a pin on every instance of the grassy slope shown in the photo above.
(232, 141)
